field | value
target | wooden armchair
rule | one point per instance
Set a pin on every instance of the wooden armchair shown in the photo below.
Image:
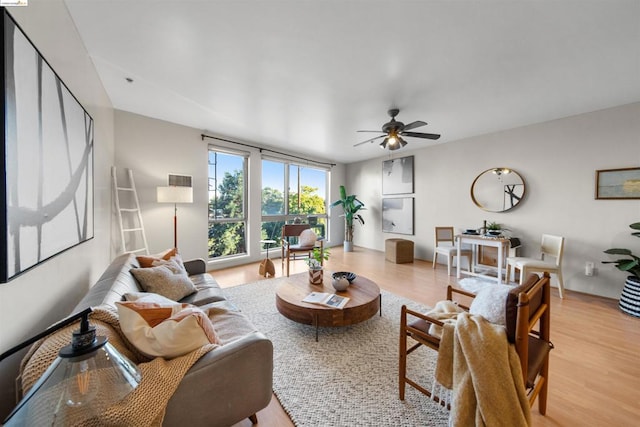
(291, 247)
(527, 326)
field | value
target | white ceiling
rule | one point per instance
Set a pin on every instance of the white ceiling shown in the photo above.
(305, 75)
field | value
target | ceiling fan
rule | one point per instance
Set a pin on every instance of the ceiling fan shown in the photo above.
(394, 131)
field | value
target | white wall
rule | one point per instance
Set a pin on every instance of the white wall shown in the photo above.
(154, 148)
(557, 160)
(48, 292)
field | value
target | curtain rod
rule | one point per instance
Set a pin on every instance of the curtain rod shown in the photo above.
(267, 149)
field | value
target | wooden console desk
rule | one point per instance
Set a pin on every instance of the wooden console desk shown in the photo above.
(476, 241)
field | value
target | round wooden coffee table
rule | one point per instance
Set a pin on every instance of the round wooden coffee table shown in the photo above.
(364, 301)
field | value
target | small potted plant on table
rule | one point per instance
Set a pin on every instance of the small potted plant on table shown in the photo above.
(315, 261)
(630, 297)
(494, 229)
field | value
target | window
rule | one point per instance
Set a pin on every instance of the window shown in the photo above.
(227, 204)
(307, 190)
(292, 192)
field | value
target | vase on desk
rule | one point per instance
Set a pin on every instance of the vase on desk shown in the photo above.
(315, 276)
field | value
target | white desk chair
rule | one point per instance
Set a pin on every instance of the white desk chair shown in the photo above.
(445, 245)
(552, 246)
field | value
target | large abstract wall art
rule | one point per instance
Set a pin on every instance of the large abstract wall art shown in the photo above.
(397, 176)
(397, 215)
(47, 200)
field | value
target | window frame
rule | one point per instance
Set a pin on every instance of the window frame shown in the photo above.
(245, 202)
(288, 217)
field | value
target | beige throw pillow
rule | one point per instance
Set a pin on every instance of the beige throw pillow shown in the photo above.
(174, 263)
(307, 238)
(165, 330)
(165, 280)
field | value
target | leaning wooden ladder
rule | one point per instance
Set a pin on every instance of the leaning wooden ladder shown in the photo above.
(134, 231)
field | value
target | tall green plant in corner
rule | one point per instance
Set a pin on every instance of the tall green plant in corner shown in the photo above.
(350, 207)
(630, 297)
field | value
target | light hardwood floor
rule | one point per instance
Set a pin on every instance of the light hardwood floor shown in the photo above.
(594, 368)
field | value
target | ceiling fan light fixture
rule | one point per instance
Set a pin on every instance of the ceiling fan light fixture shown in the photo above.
(395, 130)
(393, 147)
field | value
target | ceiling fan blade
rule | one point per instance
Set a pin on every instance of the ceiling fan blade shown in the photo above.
(414, 125)
(378, 131)
(369, 140)
(421, 135)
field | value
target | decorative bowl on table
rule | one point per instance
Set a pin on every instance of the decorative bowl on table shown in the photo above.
(346, 274)
(342, 280)
(494, 233)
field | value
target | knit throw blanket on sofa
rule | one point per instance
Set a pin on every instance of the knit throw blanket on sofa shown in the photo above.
(476, 362)
(145, 405)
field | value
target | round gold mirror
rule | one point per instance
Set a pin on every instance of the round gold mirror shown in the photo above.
(498, 190)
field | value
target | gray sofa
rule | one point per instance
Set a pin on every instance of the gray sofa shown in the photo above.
(228, 384)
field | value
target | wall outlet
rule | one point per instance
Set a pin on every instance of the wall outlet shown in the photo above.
(589, 268)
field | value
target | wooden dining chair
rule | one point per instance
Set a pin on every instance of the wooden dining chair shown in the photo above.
(528, 323)
(445, 245)
(292, 249)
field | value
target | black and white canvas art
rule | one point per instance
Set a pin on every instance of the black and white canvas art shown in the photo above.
(48, 160)
(397, 176)
(397, 215)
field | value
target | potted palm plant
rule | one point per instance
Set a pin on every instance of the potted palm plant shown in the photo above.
(630, 297)
(315, 265)
(350, 206)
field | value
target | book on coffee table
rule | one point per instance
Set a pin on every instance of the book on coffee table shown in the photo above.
(329, 300)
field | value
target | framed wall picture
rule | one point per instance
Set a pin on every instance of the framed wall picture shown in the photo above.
(47, 203)
(397, 215)
(618, 184)
(397, 176)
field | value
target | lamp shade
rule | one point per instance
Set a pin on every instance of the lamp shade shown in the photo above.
(174, 194)
(87, 377)
(76, 389)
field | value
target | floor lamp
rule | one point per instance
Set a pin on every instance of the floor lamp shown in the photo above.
(175, 195)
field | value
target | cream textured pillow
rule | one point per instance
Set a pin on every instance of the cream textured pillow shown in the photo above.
(490, 302)
(162, 280)
(165, 330)
(307, 238)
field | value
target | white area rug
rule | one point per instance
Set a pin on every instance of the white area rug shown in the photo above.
(350, 376)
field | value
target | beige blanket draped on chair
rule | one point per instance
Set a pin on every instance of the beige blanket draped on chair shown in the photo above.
(146, 405)
(476, 362)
